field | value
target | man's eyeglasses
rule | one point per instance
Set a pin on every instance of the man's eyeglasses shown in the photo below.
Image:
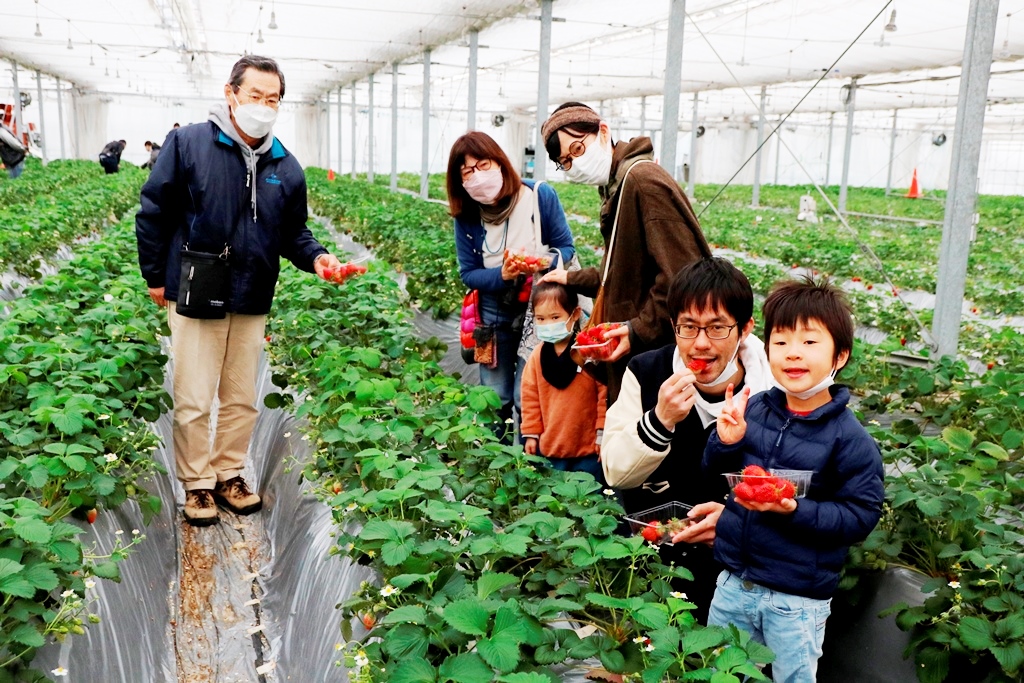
(272, 101)
(482, 165)
(687, 331)
(576, 150)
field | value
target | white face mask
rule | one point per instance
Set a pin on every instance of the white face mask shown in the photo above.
(825, 383)
(593, 167)
(255, 120)
(731, 368)
(485, 186)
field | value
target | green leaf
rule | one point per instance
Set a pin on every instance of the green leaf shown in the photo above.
(76, 462)
(524, 677)
(997, 452)
(395, 553)
(107, 570)
(17, 586)
(1012, 439)
(976, 633)
(407, 642)
(489, 582)
(547, 654)
(759, 653)
(501, 652)
(652, 615)
(932, 507)
(613, 660)
(467, 616)
(950, 550)
(406, 614)
(730, 658)
(9, 568)
(723, 677)
(27, 635)
(413, 671)
(602, 600)
(958, 438)
(1010, 628)
(933, 665)
(467, 667)
(701, 639)
(41, 577)
(33, 530)
(1010, 657)
(68, 421)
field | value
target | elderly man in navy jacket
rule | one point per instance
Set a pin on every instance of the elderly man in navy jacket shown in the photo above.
(226, 181)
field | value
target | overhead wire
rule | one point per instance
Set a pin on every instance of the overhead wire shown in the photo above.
(864, 247)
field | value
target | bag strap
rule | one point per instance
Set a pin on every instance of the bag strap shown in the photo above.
(615, 221)
(537, 226)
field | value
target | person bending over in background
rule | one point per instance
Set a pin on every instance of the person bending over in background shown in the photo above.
(563, 408)
(226, 182)
(495, 217)
(655, 235)
(154, 152)
(12, 152)
(110, 156)
(656, 432)
(782, 559)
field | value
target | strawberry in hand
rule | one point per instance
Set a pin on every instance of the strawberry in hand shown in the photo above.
(697, 364)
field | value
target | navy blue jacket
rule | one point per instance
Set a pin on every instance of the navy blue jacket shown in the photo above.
(200, 185)
(801, 553)
(469, 241)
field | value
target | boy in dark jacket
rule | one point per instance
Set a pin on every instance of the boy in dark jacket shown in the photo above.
(783, 558)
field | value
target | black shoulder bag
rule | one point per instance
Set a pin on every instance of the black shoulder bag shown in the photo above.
(205, 283)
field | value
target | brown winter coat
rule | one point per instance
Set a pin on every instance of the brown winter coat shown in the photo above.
(658, 234)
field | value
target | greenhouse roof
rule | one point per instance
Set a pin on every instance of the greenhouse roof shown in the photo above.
(173, 50)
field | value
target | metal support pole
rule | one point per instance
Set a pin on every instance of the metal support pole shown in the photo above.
(60, 118)
(693, 151)
(18, 120)
(394, 127)
(960, 219)
(643, 116)
(369, 136)
(755, 199)
(425, 160)
(851, 106)
(42, 125)
(341, 154)
(778, 153)
(828, 154)
(327, 127)
(673, 77)
(353, 131)
(892, 153)
(474, 41)
(543, 76)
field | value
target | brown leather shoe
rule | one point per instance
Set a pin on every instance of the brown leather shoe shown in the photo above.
(200, 510)
(234, 494)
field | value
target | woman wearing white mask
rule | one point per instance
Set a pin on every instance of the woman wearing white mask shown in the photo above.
(494, 212)
(655, 230)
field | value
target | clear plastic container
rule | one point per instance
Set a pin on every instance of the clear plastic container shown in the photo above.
(658, 516)
(801, 479)
(594, 353)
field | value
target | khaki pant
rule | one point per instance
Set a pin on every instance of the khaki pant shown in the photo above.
(213, 357)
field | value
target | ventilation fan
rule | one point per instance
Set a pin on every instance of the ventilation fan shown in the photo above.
(700, 131)
(497, 120)
(939, 139)
(26, 98)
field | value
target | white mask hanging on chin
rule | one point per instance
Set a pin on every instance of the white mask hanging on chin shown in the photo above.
(255, 120)
(731, 368)
(825, 383)
(593, 167)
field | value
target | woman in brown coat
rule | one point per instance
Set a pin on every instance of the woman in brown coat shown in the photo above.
(655, 230)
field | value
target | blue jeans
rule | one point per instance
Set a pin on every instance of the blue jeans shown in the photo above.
(505, 378)
(792, 626)
(15, 171)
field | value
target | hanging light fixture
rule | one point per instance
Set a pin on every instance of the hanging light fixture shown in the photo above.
(70, 46)
(259, 38)
(273, 18)
(38, 33)
(92, 62)
(891, 26)
(1004, 52)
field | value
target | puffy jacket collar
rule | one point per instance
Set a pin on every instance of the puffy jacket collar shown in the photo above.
(775, 398)
(277, 150)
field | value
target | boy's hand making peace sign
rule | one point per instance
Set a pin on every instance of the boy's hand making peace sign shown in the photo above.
(731, 423)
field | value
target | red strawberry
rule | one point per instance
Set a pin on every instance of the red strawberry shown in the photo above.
(903, 341)
(369, 621)
(744, 491)
(785, 489)
(336, 487)
(796, 265)
(697, 364)
(267, 337)
(91, 515)
(764, 493)
(855, 278)
(974, 310)
(870, 286)
(754, 471)
(328, 274)
(991, 365)
(650, 534)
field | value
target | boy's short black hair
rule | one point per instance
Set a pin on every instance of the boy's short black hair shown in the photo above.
(711, 284)
(792, 302)
(565, 297)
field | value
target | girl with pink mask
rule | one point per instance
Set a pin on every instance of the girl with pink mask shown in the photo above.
(496, 214)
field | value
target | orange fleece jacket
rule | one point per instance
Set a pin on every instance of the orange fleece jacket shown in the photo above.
(567, 419)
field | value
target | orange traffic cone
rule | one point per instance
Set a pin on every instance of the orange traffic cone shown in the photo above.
(330, 176)
(914, 192)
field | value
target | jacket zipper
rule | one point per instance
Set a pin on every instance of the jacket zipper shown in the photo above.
(746, 518)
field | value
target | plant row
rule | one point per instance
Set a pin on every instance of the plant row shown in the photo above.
(32, 232)
(489, 565)
(81, 372)
(38, 180)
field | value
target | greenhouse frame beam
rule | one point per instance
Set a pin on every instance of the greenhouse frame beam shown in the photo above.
(755, 199)
(394, 127)
(851, 107)
(341, 149)
(474, 46)
(643, 115)
(960, 220)
(60, 118)
(353, 131)
(692, 179)
(673, 78)
(828, 151)
(17, 99)
(543, 84)
(326, 126)
(425, 160)
(42, 125)
(369, 134)
(892, 153)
